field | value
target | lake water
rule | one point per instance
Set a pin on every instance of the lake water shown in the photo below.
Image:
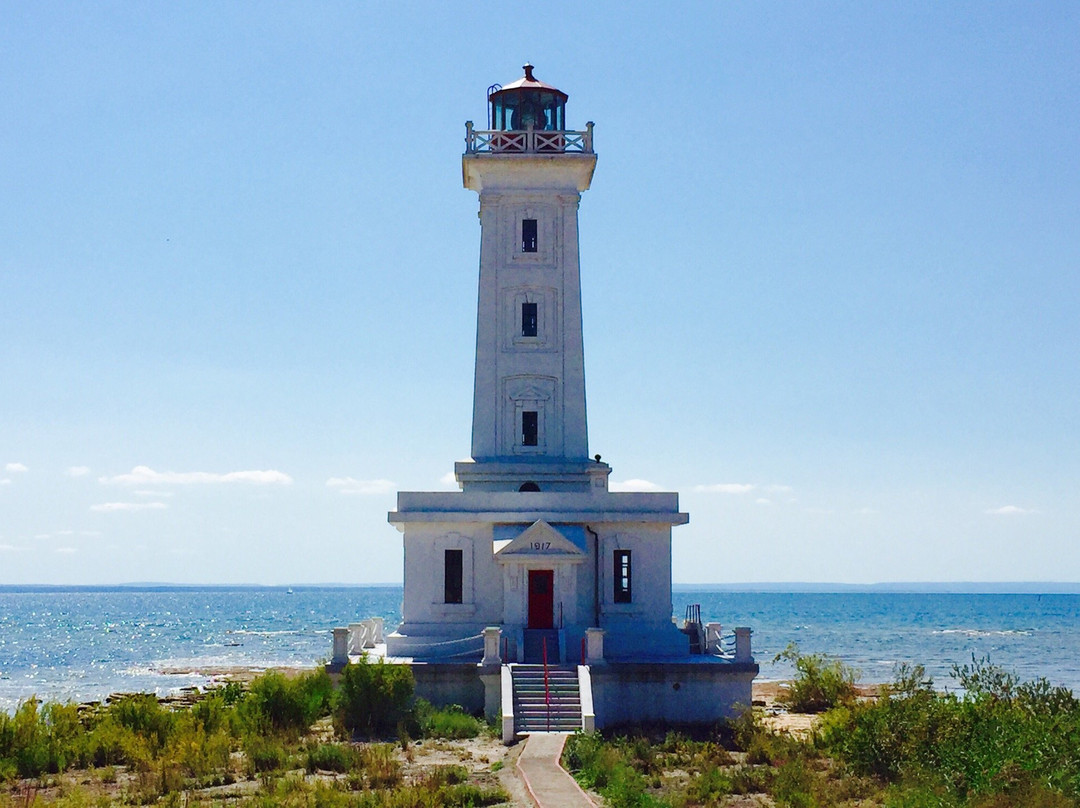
(83, 643)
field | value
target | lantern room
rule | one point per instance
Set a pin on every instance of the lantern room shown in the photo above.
(527, 104)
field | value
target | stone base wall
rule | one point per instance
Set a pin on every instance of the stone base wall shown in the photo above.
(445, 684)
(674, 692)
(698, 692)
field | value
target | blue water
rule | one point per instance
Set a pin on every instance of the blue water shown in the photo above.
(82, 644)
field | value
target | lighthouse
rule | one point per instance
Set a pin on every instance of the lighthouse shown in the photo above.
(534, 561)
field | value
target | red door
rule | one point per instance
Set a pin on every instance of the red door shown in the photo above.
(541, 598)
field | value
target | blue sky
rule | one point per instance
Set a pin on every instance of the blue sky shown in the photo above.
(829, 268)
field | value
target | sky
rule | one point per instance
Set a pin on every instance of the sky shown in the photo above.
(829, 281)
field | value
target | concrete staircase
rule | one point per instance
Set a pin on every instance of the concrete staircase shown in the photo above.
(531, 713)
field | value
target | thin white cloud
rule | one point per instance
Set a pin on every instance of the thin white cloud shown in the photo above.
(866, 511)
(634, 485)
(778, 489)
(5, 481)
(66, 550)
(158, 494)
(15, 468)
(725, 488)
(763, 501)
(9, 548)
(350, 485)
(144, 475)
(449, 479)
(89, 532)
(108, 507)
(77, 471)
(1010, 510)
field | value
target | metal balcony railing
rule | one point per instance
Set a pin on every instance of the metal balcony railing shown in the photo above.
(527, 141)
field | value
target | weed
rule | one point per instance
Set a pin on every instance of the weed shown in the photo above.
(330, 757)
(374, 698)
(819, 684)
(451, 722)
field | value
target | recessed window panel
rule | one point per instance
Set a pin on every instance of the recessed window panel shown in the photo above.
(530, 428)
(622, 576)
(452, 576)
(528, 319)
(528, 235)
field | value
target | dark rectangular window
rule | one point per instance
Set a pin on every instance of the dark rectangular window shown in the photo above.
(452, 560)
(622, 576)
(530, 428)
(528, 319)
(528, 235)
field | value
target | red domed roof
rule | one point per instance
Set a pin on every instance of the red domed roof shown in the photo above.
(529, 82)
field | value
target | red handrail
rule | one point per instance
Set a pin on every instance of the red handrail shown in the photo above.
(547, 689)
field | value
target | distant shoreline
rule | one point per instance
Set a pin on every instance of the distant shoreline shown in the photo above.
(801, 587)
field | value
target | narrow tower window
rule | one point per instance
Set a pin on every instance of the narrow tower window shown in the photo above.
(622, 576)
(528, 319)
(528, 235)
(530, 428)
(452, 560)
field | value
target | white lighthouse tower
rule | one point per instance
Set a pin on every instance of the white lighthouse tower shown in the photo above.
(534, 560)
(529, 427)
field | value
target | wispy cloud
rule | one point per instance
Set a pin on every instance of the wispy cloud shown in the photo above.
(77, 471)
(108, 507)
(158, 494)
(449, 480)
(9, 548)
(350, 485)
(144, 475)
(634, 485)
(763, 501)
(15, 468)
(66, 550)
(725, 488)
(5, 481)
(1010, 510)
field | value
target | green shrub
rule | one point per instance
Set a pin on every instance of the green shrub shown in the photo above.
(330, 757)
(199, 750)
(264, 754)
(610, 768)
(452, 722)
(441, 776)
(110, 744)
(380, 766)
(819, 684)
(710, 787)
(997, 741)
(145, 717)
(40, 739)
(277, 703)
(374, 699)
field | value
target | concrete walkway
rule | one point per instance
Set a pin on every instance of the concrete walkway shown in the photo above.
(548, 783)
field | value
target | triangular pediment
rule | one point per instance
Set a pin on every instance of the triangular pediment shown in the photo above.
(541, 539)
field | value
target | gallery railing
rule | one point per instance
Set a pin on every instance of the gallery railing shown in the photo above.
(527, 141)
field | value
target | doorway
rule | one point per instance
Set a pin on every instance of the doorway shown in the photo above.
(541, 598)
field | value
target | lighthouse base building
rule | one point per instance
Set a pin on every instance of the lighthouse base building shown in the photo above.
(534, 592)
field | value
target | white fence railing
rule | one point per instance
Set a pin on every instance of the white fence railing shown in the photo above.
(365, 634)
(527, 141)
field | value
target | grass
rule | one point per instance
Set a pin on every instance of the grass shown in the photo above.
(995, 743)
(278, 732)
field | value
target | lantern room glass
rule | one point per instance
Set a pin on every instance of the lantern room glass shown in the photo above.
(517, 110)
